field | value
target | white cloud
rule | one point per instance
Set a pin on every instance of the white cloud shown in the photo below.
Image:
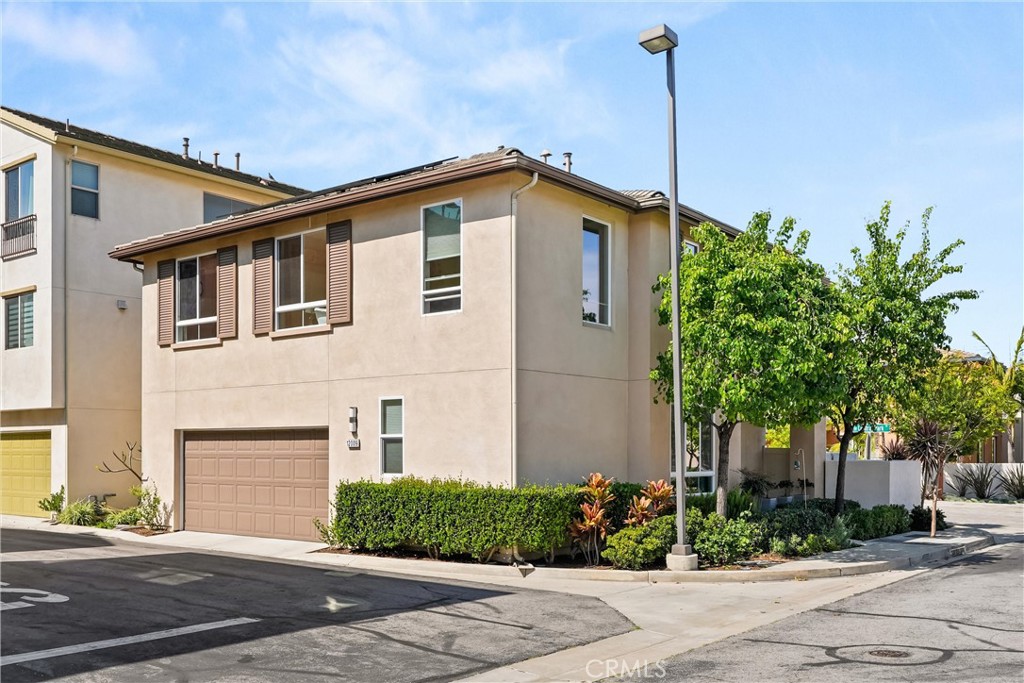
(233, 19)
(110, 46)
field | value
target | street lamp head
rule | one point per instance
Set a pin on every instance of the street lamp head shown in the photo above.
(658, 39)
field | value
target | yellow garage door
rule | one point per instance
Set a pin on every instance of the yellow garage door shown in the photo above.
(24, 472)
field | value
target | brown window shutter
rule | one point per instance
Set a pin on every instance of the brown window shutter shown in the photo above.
(165, 302)
(339, 273)
(227, 299)
(263, 286)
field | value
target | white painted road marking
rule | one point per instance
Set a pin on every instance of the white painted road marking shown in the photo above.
(116, 642)
(32, 594)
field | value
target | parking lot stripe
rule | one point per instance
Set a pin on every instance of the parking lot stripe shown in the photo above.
(128, 640)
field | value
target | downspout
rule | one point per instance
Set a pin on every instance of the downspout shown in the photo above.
(514, 361)
(67, 224)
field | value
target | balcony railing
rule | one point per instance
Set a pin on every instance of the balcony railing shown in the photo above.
(19, 237)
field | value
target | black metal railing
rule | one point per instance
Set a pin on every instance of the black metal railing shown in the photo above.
(19, 236)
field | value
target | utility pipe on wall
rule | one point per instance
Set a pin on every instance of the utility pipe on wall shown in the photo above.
(513, 320)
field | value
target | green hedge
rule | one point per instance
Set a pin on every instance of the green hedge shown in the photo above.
(450, 517)
(878, 522)
(639, 547)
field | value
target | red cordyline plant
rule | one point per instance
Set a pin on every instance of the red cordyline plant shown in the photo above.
(656, 500)
(591, 530)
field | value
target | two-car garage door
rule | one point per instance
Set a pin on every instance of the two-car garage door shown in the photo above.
(256, 483)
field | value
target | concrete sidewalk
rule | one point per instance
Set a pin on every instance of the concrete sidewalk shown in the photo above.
(672, 616)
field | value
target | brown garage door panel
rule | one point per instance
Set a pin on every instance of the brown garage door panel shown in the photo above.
(256, 483)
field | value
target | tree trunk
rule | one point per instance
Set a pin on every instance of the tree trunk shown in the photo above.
(724, 436)
(844, 449)
(935, 505)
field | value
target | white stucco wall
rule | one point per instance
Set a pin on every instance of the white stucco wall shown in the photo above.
(877, 482)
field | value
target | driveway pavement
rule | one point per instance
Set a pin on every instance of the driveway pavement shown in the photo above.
(82, 608)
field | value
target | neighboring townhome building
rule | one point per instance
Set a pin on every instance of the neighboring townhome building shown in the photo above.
(489, 318)
(71, 357)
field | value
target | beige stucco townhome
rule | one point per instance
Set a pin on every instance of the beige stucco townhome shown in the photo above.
(70, 364)
(489, 318)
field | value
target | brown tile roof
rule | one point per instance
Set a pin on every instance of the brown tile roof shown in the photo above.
(74, 132)
(407, 180)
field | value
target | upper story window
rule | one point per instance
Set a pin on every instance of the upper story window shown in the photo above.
(19, 317)
(301, 280)
(691, 247)
(215, 206)
(595, 272)
(18, 190)
(197, 298)
(442, 257)
(392, 437)
(85, 189)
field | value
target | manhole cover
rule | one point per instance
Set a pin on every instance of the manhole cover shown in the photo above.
(885, 654)
(889, 653)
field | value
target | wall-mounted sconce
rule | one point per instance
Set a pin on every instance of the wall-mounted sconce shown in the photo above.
(353, 419)
(796, 465)
(122, 305)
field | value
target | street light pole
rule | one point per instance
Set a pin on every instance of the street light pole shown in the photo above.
(663, 39)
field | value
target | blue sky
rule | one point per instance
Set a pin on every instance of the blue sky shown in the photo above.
(817, 110)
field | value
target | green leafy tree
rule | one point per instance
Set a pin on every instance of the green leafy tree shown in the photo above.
(754, 329)
(966, 400)
(1010, 376)
(891, 327)
(777, 437)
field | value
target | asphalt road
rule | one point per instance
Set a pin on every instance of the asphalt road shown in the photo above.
(960, 622)
(187, 616)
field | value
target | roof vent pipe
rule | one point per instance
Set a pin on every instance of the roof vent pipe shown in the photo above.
(67, 125)
(216, 159)
(238, 161)
(184, 148)
(567, 156)
(545, 154)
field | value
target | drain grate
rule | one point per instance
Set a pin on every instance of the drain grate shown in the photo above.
(894, 654)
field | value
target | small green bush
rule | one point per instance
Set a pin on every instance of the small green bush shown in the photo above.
(721, 541)
(828, 505)
(921, 519)
(983, 479)
(451, 517)
(640, 547)
(795, 520)
(890, 520)
(130, 516)
(618, 509)
(705, 502)
(53, 502)
(150, 512)
(79, 513)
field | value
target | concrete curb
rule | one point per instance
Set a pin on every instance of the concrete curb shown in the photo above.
(302, 552)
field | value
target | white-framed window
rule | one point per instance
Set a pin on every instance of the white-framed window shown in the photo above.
(19, 320)
(442, 257)
(392, 436)
(196, 307)
(699, 454)
(18, 191)
(301, 280)
(691, 247)
(85, 189)
(596, 273)
(215, 206)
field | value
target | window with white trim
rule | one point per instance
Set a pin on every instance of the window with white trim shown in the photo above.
(19, 317)
(691, 247)
(392, 436)
(301, 280)
(442, 257)
(18, 191)
(85, 189)
(699, 454)
(595, 272)
(196, 316)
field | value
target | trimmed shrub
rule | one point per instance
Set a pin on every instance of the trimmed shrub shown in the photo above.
(828, 505)
(451, 517)
(723, 541)
(795, 521)
(79, 513)
(618, 508)
(640, 547)
(705, 502)
(879, 521)
(921, 519)
(130, 516)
